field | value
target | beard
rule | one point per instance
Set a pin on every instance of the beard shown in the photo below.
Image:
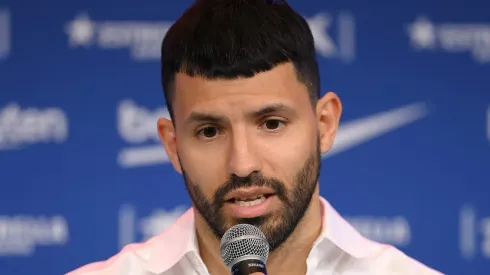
(278, 225)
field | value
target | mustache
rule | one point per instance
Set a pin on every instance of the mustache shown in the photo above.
(255, 179)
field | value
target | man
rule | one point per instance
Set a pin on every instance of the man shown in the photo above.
(248, 127)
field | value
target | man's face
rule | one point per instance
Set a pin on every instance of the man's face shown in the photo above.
(248, 150)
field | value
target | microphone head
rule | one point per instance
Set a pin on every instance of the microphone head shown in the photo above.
(243, 242)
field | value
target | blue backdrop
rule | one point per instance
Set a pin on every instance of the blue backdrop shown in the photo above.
(83, 172)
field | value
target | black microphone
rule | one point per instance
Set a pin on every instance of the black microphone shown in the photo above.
(244, 249)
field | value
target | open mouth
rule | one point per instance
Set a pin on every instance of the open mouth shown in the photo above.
(250, 201)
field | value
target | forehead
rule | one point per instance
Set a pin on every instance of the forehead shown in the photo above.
(279, 85)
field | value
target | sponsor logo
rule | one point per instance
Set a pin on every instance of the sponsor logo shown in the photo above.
(343, 47)
(4, 33)
(21, 127)
(358, 131)
(136, 229)
(388, 230)
(474, 233)
(488, 123)
(137, 126)
(144, 38)
(20, 235)
(449, 37)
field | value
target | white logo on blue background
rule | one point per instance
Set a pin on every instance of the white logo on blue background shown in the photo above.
(20, 235)
(137, 126)
(474, 233)
(453, 38)
(389, 230)
(422, 34)
(488, 123)
(142, 38)
(361, 130)
(81, 31)
(4, 33)
(23, 127)
(343, 47)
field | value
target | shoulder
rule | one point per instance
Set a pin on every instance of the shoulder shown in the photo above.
(134, 255)
(378, 258)
(393, 261)
(154, 255)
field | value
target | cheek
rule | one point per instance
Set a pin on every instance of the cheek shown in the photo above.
(286, 155)
(203, 166)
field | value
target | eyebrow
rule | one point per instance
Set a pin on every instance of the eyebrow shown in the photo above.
(271, 109)
(200, 117)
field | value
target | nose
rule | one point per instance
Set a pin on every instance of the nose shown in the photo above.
(243, 156)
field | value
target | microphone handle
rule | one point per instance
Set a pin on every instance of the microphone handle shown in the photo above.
(249, 267)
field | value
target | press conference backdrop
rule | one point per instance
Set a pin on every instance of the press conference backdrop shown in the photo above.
(83, 172)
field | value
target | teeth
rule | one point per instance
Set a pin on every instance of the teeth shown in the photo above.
(245, 202)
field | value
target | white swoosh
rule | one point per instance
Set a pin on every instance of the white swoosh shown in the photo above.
(359, 131)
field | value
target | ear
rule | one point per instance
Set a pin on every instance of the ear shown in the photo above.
(328, 112)
(166, 131)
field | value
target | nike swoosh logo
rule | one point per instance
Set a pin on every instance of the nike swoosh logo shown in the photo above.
(359, 131)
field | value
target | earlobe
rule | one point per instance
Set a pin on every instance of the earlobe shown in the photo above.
(166, 131)
(328, 111)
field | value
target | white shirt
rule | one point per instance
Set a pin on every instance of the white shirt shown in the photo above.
(339, 250)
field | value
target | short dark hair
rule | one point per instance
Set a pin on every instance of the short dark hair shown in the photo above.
(230, 39)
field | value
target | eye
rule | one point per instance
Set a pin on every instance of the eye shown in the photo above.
(273, 124)
(208, 132)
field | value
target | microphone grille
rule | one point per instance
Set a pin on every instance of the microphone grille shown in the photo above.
(243, 240)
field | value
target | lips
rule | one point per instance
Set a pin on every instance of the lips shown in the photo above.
(249, 195)
(251, 202)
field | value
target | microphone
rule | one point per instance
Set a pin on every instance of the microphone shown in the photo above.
(244, 249)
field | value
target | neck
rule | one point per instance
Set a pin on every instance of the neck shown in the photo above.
(289, 258)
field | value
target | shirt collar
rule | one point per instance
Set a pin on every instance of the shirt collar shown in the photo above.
(342, 234)
(180, 239)
(173, 244)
